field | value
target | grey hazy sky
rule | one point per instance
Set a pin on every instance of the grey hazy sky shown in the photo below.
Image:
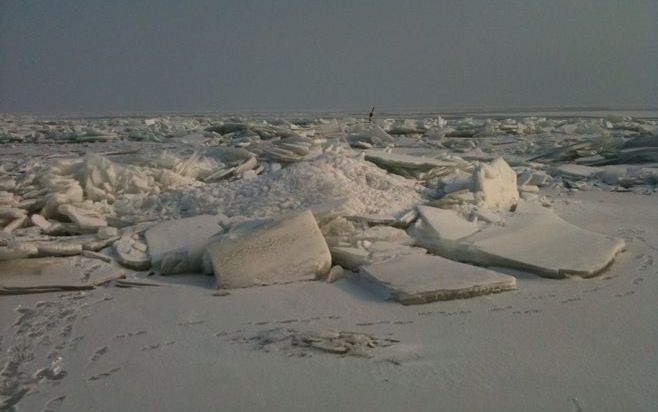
(102, 56)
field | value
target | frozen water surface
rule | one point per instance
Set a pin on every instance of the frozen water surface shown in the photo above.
(111, 226)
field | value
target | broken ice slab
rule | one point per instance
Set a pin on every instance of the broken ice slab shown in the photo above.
(40, 222)
(536, 177)
(11, 212)
(220, 174)
(349, 257)
(540, 241)
(248, 164)
(406, 165)
(286, 249)
(384, 233)
(382, 250)
(417, 279)
(15, 224)
(86, 219)
(533, 239)
(18, 251)
(440, 230)
(373, 220)
(371, 134)
(7, 183)
(361, 145)
(59, 248)
(403, 221)
(459, 197)
(281, 154)
(335, 273)
(355, 257)
(563, 153)
(578, 171)
(629, 156)
(180, 243)
(330, 209)
(132, 253)
(613, 175)
(53, 274)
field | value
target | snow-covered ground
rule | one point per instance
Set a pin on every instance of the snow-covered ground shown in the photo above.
(114, 227)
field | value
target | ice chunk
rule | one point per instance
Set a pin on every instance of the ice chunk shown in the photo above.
(374, 219)
(613, 175)
(220, 174)
(85, 218)
(59, 248)
(533, 239)
(132, 253)
(373, 134)
(529, 189)
(107, 232)
(406, 165)
(416, 279)
(18, 251)
(369, 252)
(98, 243)
(107, 180)
(96, 255)
(287, 249)
(386, 233)
(247, 165)
(407, 126)
(485, 214)
(459, 197)
(541, 242)
(529, 192)
(52, 274)
(580, 171)
(62, 190)
(382, 250)
(335, 274)
(350, 257)
(7, 183)
(495, 184)
(15, 224)
(180, 243)
(7, 212)
(537, 178)
(7, 198)
(40, 222)
(439, 230)
(457, 180)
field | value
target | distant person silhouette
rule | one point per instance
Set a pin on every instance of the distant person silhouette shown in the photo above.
(372, 113)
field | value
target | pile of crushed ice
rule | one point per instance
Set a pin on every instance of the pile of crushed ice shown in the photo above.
(343, 179)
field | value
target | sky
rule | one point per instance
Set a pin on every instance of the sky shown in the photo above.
(90, 56)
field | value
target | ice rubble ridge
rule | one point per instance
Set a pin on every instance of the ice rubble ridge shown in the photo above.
(446, 191)
(304, 245)
(241, 128)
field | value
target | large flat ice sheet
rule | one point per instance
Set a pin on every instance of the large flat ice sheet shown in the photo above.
(415, 279)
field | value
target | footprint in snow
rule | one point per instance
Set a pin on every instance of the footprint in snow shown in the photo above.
(53, 404)
(99, 353)
(103, 375)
